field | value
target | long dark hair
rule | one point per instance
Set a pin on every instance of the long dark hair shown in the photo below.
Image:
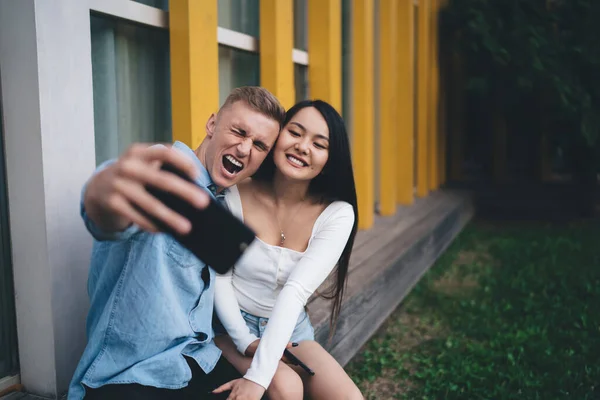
(335, 182)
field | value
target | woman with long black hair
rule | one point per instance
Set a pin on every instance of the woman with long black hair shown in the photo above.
(302, 205)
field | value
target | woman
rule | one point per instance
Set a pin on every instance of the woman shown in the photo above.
(302, 205)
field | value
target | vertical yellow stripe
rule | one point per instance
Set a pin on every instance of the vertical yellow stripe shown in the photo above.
(443, 98)
(325, 51)
(194, 67)
(442, 147)
(362, 103)
(423, 104)
(388, 108)
(406, 102)
(276, 44)
(433, 101)
(442, 128)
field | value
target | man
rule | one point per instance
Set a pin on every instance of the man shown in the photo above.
(149, 327)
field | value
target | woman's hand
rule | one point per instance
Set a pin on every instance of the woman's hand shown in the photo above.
(251, 349)
(242, 389)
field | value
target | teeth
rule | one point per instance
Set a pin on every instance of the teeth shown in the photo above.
(234, 161)
(296, 161)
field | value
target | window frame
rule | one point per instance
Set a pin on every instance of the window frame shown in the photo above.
(140, 13)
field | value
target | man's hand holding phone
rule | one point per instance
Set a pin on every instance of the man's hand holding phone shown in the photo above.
(117, 196)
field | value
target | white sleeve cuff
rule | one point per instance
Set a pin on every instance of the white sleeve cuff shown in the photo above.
(256, 378)
(242, 343)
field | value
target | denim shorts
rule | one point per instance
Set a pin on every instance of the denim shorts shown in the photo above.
(257, 325)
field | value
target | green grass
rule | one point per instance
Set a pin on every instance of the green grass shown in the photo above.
(506, 313)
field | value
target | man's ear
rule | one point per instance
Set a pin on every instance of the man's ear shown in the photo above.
(211, 125)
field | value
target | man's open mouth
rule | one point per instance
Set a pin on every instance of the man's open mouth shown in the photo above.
(232, 164)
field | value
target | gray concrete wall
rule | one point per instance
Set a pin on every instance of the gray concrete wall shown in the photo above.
(46, 81)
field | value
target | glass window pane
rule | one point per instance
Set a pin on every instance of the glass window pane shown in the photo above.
(9, 362)
(237, 68)
(162, 4)
(132, 89)
(301, 82)
(300, 25)
(239, 15)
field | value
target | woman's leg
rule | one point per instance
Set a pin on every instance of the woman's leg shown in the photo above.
(286, 384)
(330, 381)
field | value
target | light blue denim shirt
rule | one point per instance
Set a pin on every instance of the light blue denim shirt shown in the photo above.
(149, 307)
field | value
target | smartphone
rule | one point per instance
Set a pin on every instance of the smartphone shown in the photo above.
(217, 237)
(295, 361)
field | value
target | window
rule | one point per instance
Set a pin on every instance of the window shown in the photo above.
(237, 68)
(300, 25)
(301, 43)
(162, 4)
(301, 82)
(240, 15)
(132, 95)
(9, 361)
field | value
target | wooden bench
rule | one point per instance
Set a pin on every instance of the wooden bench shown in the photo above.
(387, 261)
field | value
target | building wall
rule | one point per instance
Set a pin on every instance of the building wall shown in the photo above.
(83, 79)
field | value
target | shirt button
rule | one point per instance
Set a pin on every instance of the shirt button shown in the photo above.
(202, 336)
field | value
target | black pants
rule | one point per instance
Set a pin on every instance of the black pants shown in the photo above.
(199, 388)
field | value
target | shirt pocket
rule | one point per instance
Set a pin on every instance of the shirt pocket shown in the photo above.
(180, 255)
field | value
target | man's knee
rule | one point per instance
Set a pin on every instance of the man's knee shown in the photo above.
(286, 385)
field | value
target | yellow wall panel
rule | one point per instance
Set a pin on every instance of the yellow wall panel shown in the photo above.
(325, 51)
(362, 103)
(433, 170)
(388, 99)
(423, 76)
(405, 127)
(194, 67)
(276, 44)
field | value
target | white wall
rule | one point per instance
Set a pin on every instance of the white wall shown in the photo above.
(46, 81)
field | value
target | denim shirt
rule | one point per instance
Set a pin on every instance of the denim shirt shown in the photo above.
(150, 306)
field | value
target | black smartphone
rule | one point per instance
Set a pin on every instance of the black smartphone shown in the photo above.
(295, 361)
(217, 237)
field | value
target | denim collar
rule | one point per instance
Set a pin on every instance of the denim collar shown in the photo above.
(204, 180)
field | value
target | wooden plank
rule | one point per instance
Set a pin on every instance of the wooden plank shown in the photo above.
(383, 258)
(385, 231)
(23, 396)
(388, 230)
(373, 305)
(14, 396)
(381, 282)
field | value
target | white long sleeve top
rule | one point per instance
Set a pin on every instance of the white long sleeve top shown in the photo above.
(275, 282)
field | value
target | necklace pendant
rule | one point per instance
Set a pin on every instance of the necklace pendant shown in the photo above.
(282, 241)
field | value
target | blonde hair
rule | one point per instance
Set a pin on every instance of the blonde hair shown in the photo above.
(259, 99)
